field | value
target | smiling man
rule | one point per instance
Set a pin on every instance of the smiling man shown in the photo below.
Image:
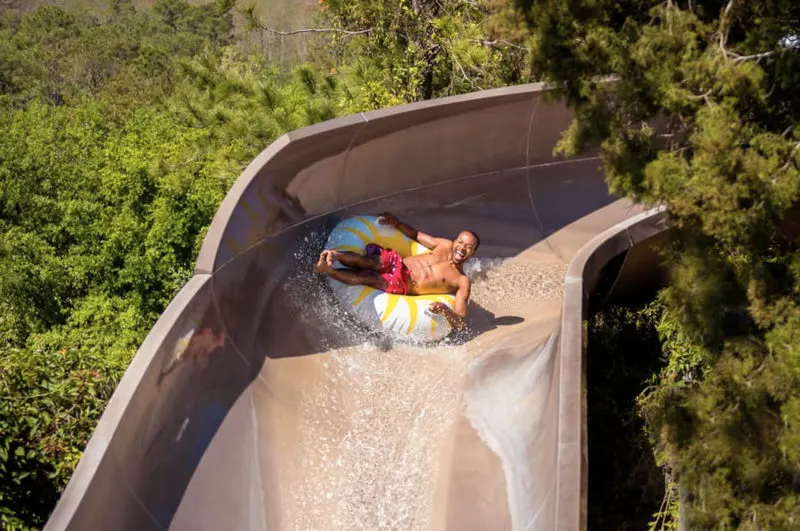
(440, 271)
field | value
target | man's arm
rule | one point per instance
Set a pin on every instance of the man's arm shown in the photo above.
(458, 317)
(425, 239)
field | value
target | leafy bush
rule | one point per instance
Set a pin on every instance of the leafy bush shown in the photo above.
(701, 118)
(122, 132)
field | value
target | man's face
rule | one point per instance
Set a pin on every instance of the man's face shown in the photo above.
(464, 247)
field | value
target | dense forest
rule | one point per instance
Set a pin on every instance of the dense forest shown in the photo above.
(124, 123)
(699, 113)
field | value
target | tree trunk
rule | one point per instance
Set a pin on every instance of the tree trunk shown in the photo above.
(426, 11)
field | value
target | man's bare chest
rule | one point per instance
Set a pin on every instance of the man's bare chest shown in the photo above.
(431, 271)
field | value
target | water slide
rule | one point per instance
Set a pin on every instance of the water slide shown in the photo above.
(254, 404)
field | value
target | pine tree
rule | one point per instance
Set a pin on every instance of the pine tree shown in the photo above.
(408, 50)
(695, 107)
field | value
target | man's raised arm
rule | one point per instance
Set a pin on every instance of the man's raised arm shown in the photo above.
(458, 317)
(425, 239)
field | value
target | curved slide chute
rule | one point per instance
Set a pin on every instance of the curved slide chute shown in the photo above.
(247, 407)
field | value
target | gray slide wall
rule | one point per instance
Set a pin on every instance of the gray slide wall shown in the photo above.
(181, 444)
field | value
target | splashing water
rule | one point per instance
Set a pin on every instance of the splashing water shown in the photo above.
(373, 429)
(500, 283)
(372, 434)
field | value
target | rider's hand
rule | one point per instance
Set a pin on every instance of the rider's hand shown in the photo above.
(438, 308)
(388, 219)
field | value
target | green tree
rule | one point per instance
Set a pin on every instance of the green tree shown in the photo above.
(123, 128)
(54, 56)
(695, 107)
(99, 228)
(243, 104)
(104, 201)
(213, 22)
(42, 42)
(408, 50)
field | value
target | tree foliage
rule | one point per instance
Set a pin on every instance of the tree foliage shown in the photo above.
(104, 199)
(99, 226)
(123, 128)
(695, 107)
(398, 51)
(243, 104)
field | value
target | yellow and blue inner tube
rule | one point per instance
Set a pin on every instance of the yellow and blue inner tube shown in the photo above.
(402, 316)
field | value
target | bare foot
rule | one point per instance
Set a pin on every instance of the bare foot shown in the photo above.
(325, 262)
(333, 256)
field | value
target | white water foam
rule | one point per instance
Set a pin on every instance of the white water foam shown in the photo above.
(373, 428)
(507, 409)
(373, 431)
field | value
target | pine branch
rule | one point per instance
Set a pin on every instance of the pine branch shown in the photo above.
(316, 30)
(463, 73)
(255, 23)
(789, 159)
(724, 28)
(496, 42)
(704, 96)
(757, 56)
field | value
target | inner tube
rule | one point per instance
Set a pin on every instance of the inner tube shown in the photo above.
(406, 317)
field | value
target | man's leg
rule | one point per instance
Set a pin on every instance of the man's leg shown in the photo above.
(357, 261)
(351, 277)
(358, 277)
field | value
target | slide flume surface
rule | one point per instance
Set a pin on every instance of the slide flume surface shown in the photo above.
(255, 404)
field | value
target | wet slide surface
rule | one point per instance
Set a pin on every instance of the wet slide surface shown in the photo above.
(255, 403)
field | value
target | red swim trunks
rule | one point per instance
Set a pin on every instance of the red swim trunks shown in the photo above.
(393, 270)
